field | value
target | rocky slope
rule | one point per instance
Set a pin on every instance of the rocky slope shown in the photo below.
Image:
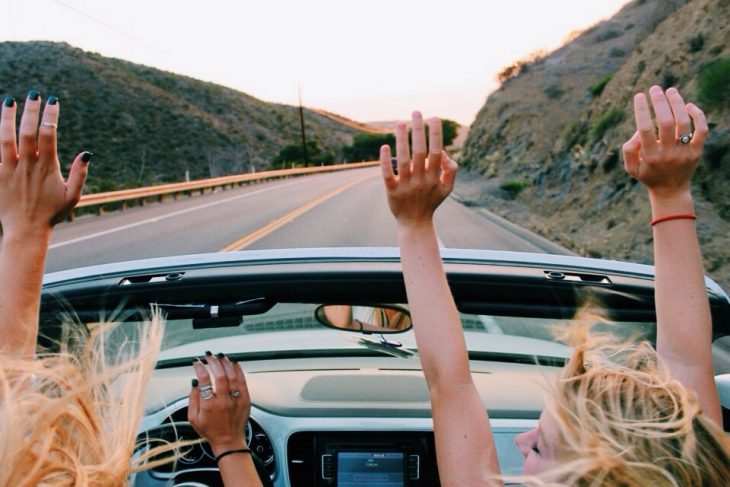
(545, 149)
(148, 126)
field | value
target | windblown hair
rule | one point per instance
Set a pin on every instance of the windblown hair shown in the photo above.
(71, 418)
(624, 421)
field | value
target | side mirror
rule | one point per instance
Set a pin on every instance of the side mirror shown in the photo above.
(364, 319)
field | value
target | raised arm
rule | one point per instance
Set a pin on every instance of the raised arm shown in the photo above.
(464, 442)
(665, 166)
(33, 198)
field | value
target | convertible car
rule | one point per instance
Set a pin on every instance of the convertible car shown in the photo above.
(325, 338)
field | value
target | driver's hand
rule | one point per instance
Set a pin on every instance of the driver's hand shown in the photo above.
(424, 180)
(220, 416)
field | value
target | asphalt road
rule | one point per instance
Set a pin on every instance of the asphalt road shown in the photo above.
(346, 208)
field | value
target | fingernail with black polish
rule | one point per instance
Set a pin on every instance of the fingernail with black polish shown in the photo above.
(220, 356)
(52, 100)
(33, 95)
(207, 352)
(9, 101)
(195, 382)
(86, 156)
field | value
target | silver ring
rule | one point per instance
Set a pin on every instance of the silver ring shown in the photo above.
(685, 138)
(206, 392)
(49, 124)
(234, 393)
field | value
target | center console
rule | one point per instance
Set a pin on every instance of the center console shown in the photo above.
(359, 459)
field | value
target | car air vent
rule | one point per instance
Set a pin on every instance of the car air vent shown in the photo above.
(300, 455)
(578, 277)
(152, 278)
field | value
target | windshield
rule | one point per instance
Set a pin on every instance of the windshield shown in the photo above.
(291, 327)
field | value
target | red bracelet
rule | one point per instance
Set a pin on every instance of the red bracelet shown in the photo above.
(678, 216)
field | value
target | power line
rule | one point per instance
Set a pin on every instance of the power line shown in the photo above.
(101, 22)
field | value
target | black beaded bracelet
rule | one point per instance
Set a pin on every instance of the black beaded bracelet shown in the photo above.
(229, 452)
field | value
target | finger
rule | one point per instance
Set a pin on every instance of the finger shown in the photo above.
(8, 143)
(219, 375)
(631, 150)
(664, 116)
(28, 147)
(644, 123)
(386, 166)
(47, 131)
(77, 178)
(228, 369)
(679, 109)
(419, 143)
(449, 168)
(435, 144)
(194, 403)
(402, 151)
(701, 129)
(202, 373)
(241, 384)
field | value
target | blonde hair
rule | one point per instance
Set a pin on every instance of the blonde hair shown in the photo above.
(624, 421)
(71, 417)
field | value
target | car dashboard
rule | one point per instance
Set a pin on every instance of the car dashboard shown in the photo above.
(327, 422)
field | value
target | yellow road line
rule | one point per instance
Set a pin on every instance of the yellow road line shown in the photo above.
(247, 240)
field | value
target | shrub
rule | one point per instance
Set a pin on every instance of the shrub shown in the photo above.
(366, 147)
(597, 88)
(713, 84)
(612, 117)
(610, 161)
(575, 133)
(450, 130)
(521, 66)
(696, 43)
(554, 92)
(294, 154)
(514, 187)
(616, 52)
(607, 35)
(669, 79)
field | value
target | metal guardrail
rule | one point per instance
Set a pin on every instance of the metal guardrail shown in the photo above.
(126, 195)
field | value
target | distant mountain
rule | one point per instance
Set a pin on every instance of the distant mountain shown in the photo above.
(147, 126)
(545, 149)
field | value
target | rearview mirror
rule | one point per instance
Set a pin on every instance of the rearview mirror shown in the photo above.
(364, 319)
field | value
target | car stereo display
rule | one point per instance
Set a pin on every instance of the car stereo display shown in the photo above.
(363, 469)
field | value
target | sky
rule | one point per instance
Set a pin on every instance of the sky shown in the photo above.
(368, 60)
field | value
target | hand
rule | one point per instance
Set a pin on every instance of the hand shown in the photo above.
(33, 194)
(221, 419)
(424, 181)
(665, 166)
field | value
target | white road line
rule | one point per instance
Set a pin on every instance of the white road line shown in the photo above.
(170, 215)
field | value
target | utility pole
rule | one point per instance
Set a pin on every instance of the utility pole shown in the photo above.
(301, 122)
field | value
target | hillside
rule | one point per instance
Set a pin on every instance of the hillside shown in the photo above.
(544, 151)
(147, 126)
